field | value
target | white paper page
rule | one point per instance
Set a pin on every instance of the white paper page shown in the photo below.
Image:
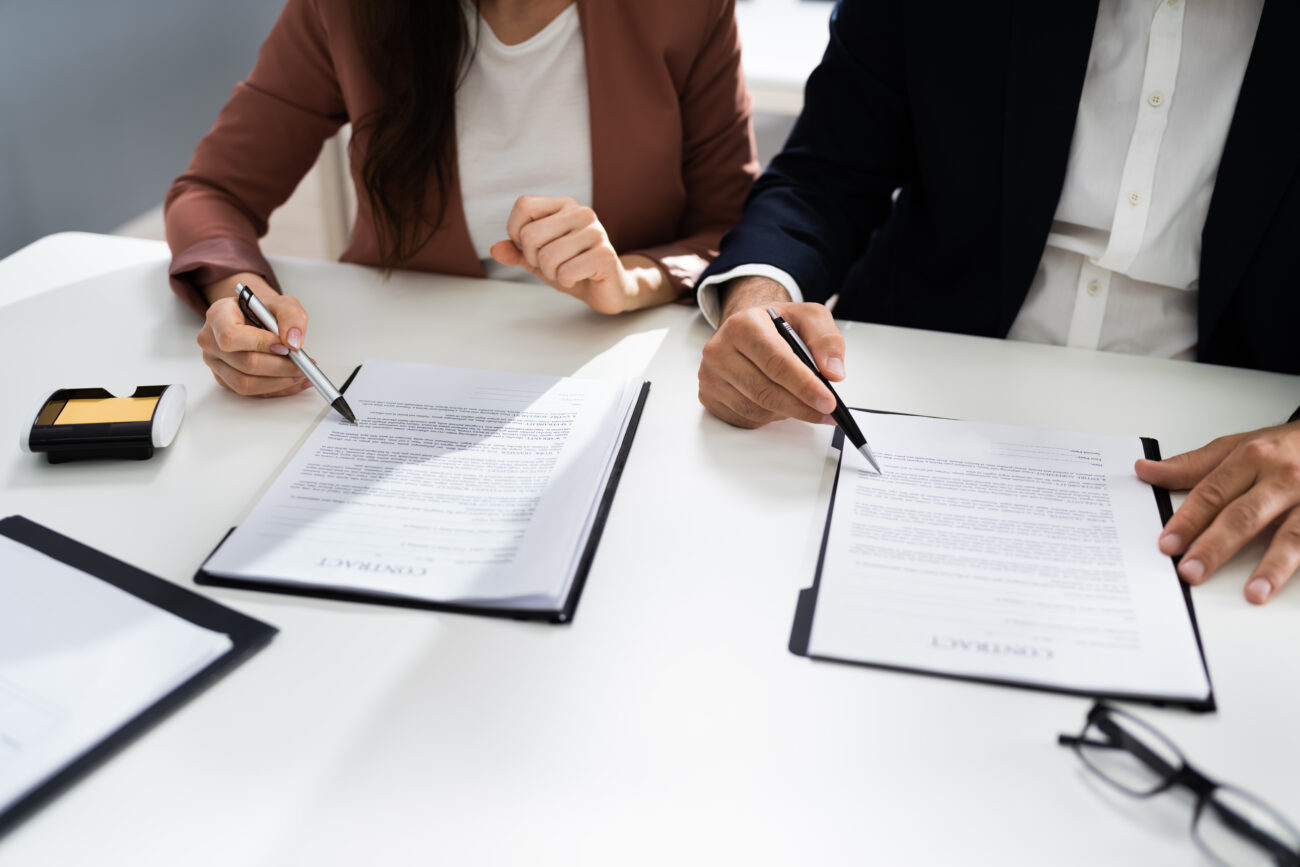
(1004, 552)
(455, 485)
(79, 658)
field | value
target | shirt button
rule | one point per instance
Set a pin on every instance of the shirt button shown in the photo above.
(1093, 287)
(1134, 198)
(1156, 99)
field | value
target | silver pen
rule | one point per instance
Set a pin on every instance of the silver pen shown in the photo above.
(258, 315)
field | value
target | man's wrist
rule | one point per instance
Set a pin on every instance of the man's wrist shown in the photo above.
(744, 292)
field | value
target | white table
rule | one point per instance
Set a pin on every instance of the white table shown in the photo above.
(668, 724)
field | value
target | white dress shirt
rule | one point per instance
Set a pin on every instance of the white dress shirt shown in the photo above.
(1121, 265)
(522, 127)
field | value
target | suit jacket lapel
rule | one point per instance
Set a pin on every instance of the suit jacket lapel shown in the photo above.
(1046, 65)
(1259, 160)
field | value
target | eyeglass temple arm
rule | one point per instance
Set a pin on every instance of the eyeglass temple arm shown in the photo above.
(1281, 854)
(1124, 742)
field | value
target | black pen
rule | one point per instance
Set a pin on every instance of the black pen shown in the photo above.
(842, 416)
(257, 314)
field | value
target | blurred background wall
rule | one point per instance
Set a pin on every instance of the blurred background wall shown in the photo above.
(101, 103)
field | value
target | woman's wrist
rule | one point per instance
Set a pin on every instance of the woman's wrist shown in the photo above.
(649, 284)
(225, 287)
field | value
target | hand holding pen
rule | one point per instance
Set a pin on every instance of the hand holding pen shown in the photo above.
(259, 315)
(749, 377)
(841, 413)
(245, 358)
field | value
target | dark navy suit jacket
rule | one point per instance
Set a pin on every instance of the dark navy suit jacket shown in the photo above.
(968, 109)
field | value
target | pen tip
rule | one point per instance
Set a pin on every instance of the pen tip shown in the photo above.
(344, 410)
(871, 459)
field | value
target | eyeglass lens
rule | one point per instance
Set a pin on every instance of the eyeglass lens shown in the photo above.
(1129, 753)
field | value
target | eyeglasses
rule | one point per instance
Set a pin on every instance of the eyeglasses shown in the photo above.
(1232, 827)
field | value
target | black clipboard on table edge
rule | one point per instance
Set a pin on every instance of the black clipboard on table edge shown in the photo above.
(247, 637)
(563, 615)
(806, 606)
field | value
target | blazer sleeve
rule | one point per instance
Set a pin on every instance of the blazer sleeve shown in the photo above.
(812, 212)
(719, 159)
(264, 141)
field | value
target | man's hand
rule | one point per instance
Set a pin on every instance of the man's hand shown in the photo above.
(564, 245)
(749, 376)
(1239, 485)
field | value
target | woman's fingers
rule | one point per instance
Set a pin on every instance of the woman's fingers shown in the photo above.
(573, 230)
(252, 384)
(526, 209)
(251, 360)
(290, 316)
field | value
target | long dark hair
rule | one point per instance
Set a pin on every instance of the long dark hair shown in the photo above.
(417, 52)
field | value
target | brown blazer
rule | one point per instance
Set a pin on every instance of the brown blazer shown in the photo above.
(672, 149)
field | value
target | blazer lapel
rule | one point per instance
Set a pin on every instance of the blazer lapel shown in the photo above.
(1258, 163)
(619, 120)
(451, 246)
(1046, 65)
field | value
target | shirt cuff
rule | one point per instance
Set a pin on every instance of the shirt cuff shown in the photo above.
(707, 291)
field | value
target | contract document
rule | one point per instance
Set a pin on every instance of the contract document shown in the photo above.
(470, 489)
(1004, 554)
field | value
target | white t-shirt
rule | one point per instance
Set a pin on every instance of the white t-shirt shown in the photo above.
(522, 128)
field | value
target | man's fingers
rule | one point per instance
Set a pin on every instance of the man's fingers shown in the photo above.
(1206, 500)
(1279, 563)
(529, 208)
(758, 386)
(770, 354)
(1243, 518)
(1183, 471)
(749, 357)
(816, 327)
(1212, 492)
(721, 399)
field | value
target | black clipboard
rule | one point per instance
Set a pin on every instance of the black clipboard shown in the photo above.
(564, 614)
(247, 637)
(806, 607)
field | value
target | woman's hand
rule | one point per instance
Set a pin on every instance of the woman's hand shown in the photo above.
(565, 246)
(247, 359)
